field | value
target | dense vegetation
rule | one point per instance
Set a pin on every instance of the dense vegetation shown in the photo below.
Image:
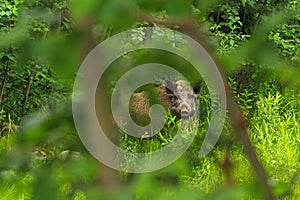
(42, 43)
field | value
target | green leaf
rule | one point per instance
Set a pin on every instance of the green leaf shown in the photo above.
(254, 75)
(15, 11)
(8, 13)
(244, 2)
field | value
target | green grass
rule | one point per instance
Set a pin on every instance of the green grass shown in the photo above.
(276, 135)
(274, 130)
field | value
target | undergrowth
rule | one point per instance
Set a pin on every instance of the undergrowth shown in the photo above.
(273, 128)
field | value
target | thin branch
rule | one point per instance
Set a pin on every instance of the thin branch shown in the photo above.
(27, 90)
(244, 18)
(106, 177)
(237, 118)
(259, 15)
(239, 125)
(218, 17)
(3, 82)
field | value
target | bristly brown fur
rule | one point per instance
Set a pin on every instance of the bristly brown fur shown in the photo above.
(140, 103)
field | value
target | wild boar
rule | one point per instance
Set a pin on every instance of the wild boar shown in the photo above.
(177, 96)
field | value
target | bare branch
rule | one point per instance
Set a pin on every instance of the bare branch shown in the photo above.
(238, 121)
(3, 82)
(27, 90)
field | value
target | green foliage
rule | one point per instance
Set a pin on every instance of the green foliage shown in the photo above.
(44, 89)
(27, 84)
(275, 132)
(39, 45)
(286, 37)
(9, 11)
(249, 83)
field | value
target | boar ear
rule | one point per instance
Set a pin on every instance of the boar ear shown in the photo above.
(170, 86)
(197, 88)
